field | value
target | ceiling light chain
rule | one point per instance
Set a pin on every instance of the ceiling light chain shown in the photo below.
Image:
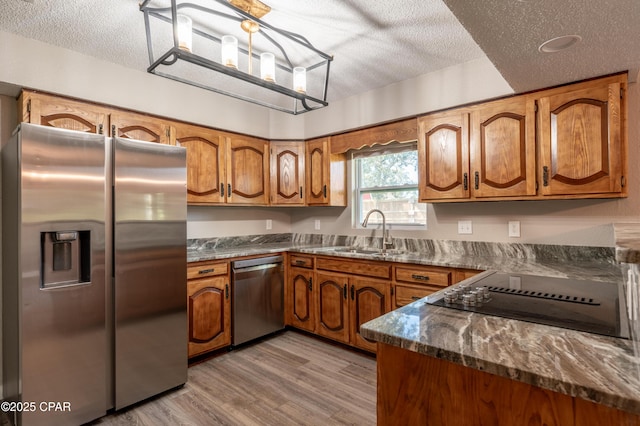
(186, 18)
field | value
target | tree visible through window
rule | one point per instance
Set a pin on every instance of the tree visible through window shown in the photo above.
(387, 179)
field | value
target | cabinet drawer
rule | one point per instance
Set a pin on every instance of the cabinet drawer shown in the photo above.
(301, 261)
(439, 277)
(369, 269)
(207, 270)
(405, 294)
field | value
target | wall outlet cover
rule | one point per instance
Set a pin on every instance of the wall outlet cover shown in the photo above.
(514, 229)
(316, 224)
(269, 224)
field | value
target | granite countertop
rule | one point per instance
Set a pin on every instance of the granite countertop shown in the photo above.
(597, 368)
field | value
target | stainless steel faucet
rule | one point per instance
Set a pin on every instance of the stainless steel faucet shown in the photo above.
(386, 239)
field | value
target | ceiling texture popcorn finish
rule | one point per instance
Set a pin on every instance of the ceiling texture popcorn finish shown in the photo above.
(375, 44)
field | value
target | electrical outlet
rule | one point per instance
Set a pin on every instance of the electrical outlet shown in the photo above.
(269, 224)
(317, 224)
(515, 283)
(514, 229)
(465, 227)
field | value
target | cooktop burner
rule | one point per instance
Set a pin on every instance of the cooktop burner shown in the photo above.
(584, 305)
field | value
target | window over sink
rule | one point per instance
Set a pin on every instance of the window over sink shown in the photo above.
(386, 178)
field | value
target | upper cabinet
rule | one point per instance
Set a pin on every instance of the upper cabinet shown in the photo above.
(141, 127)
(325, 174)
(205, 163)
(573, 146)
(502, 148)
(583, 141)
(53, 111)
(247, 170)
(287, 173)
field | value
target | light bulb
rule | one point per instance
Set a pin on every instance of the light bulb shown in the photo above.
(185, 33)
(300, 79)
(268, 66)
(230, 51)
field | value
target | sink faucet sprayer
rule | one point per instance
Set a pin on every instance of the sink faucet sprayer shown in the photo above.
(386, 239)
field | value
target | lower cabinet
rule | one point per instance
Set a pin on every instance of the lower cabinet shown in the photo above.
(333, 296)
(209, 307)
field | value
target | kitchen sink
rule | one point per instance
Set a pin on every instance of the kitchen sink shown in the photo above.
(365, 250)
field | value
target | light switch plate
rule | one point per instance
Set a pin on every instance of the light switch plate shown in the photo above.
(465, 227)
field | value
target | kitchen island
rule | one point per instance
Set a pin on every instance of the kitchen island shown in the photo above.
(438, 365)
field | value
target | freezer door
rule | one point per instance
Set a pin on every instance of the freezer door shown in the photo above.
(149, 208)
(55, 338)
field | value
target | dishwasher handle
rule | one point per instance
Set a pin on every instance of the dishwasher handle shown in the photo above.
(242, 264)
(257, 267)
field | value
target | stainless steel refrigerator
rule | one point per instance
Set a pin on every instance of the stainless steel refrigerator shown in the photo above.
(93, 275)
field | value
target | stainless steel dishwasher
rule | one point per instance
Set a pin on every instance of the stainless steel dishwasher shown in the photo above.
(258, 298)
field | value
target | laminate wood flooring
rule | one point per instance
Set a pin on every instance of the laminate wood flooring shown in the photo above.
(287, 379)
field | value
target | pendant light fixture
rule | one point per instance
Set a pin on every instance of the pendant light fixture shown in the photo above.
(293, 75)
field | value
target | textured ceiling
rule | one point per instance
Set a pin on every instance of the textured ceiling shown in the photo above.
(376, 43)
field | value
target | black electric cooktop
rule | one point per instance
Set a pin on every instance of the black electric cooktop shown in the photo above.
(584, 305)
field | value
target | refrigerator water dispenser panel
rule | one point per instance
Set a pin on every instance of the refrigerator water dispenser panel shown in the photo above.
(65, 258)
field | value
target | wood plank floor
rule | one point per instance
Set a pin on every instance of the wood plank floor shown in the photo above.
(288, 379)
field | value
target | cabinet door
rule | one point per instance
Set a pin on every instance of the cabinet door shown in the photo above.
(205, 163)
(300, 301)
(63, 113)
(209, 313)
(247, 170)
(443, 156)
(287, 173)
(369, 299)
(332, 306)
(140, 127)
(581, 141)
(502, 148)
(317, 171)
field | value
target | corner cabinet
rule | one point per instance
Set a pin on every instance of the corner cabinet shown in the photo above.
(209, 307)
(326, 178)
(582, 131)
(287, 173)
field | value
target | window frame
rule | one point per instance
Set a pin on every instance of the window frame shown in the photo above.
(358, 189)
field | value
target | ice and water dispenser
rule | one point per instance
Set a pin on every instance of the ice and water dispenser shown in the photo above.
(65, 258)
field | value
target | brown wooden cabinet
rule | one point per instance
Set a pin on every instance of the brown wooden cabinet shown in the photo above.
(209, 307)
(205, 163)
(485, 151)
(358, 292)
(247, 166)
(582, 132)
(299, 294)
(62, 113)
(325, 174)
(287, 173)
(141, 127)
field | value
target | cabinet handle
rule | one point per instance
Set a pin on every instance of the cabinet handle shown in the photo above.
(226, 291)
(545, 176)
(100, 130)
(324, 189)
(300, 192)
(420, 277)
(206, 271)
(301, 262)
(113, 131)
(465, 181)
(344, 291)
(222, 190)
(310, 284)
(229, 190)
(477, 180)
(353, 292)
(415, 298)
